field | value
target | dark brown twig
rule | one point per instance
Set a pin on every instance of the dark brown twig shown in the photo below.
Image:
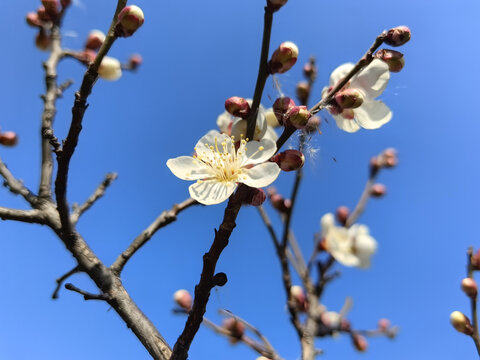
(473, 303)
(87, 295)
(62, 278)
(165, 218)
(15, 186)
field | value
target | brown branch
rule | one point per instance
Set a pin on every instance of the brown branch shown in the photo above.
(62, 278)
(263, 73)
(28, 216)
(87, 295)
(268, 224)
(364, 61)
(15, 186)
(206, 283)
(165, 218)
(99, 192)
(473, 303)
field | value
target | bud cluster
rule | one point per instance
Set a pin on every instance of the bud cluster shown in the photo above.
(289, 114)
(387, 159)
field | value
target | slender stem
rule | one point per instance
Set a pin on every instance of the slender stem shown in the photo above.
(15, 186)
(165, 218)
(62, 278)
(263, 73)
(268, 224)
(86, 295)
(362, 203)
(473, 303)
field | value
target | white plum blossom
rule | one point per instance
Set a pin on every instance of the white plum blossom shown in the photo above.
(350, 247)
(219, 168)
(237, 127)
(110, 69)
(371, 82)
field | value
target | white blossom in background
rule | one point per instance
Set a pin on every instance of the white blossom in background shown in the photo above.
(110, 69)
(371, 82)
(237, 127)
(219, 168)
(350, 247)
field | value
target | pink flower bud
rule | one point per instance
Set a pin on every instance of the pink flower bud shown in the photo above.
(342, 214)
(378, 190)
(394, 59)
(469, 287)
(313, 124)
(281, 107)
(298, 297)
(183, 299)
(51, 7)
(42, 40)
(94, 40)
(389, 158)
(310, 71)
(275, 5)
(349, 98)
(398, 36)
(383, 324)
(359, 342)
(289, 160)
(303, 92)
(255, 197)
(236, 328)
(8, 138)
(135, 61)
(33, 19)
(284, 57)
(461, 323)
(129, 20)
(237, 106)
(42, 14)
(297, 116)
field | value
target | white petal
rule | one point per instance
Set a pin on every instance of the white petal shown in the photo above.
(346, 124)
(340, 72)
(239, 128)
(203, 145)
(272, 120)
(339, 245)
(327, 222)
(223, 122)
(255, 156)
(271, 134)
(110, 69)
(261, 175)
(372, 114)
(373, 79)
(211, 192)
(188, 168)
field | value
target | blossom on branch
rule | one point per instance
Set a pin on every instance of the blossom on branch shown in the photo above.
(370, 82)
(350, 247)
(219, 167)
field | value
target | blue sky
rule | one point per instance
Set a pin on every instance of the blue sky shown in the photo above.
(197, 54)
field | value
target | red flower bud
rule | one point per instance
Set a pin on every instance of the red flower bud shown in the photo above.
(313, 124)
(33, 19)
(310, 71)
(342, 214)
(281, 107)
(237, 106)
(42, 14)
(65, 3)
(378, 190)
(280, 204)
(94, 40)
(51, 7)
(383, 324)
(284, 58)
(289, 160)
(255, 197)
(135, 61)
(349, 98)
(359, 342)
(298, 297)
(42, 40)
(275, 5)
(297, 116)
(394, 59)
(398, 36)
(129, 20)
(8, 138)
(183, 299)
(469, 287)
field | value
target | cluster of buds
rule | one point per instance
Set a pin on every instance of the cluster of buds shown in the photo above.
(289, 114)
(278, 202)
(129, 20)
(235, 328)
(183, 299)
(275, 5)
(289, 160)
(8, 138)
(304, 87)
(385, 327)
(299, 299)
(394, 37)
(283, 58)
(387, 159)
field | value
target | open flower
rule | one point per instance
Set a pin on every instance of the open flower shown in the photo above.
(350, 247)
(237, 127)
(218, 167)
(370, 82)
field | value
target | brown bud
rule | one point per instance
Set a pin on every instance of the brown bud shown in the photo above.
(183, 299)
(42, 14)
(310, 71)
(236, 328)
(66, 3)
(51, 7)
(275, 5)
(298, 297)
(135, 61)
(476, 260)
(359, 342)
(8, 138)
(303, 92)
(394, 59)
(342, 214)
(255, 197)
(237, 106)
(398, 36)
(289, 160)
(42, 40)
(281, 107)
(280, 204)
(383, 324)
(313, 124)
(469, 287)
(378, 190)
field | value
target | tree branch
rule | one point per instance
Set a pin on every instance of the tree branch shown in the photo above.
(15, 186)
(99, 192)
(28, 216)
(165, 218)
(62, 278)
(87, 295)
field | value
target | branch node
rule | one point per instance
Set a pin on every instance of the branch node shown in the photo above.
(219, 279)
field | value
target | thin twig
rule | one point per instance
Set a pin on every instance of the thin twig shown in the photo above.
(165, 218)
(268, 224)
(87, 295)
(99, 192)
(263, 73)
(473, 303)
(62, 278)
(15, 186)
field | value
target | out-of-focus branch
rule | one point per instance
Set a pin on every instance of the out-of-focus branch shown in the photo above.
(268, 224)
(473, 303)
(87, 295)
(364, 61)
(362, 203)
(99, 192)
(207, 282)
(28, 216)
(263, 73)
(165, 218)
(62, 278)
(16, 186)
